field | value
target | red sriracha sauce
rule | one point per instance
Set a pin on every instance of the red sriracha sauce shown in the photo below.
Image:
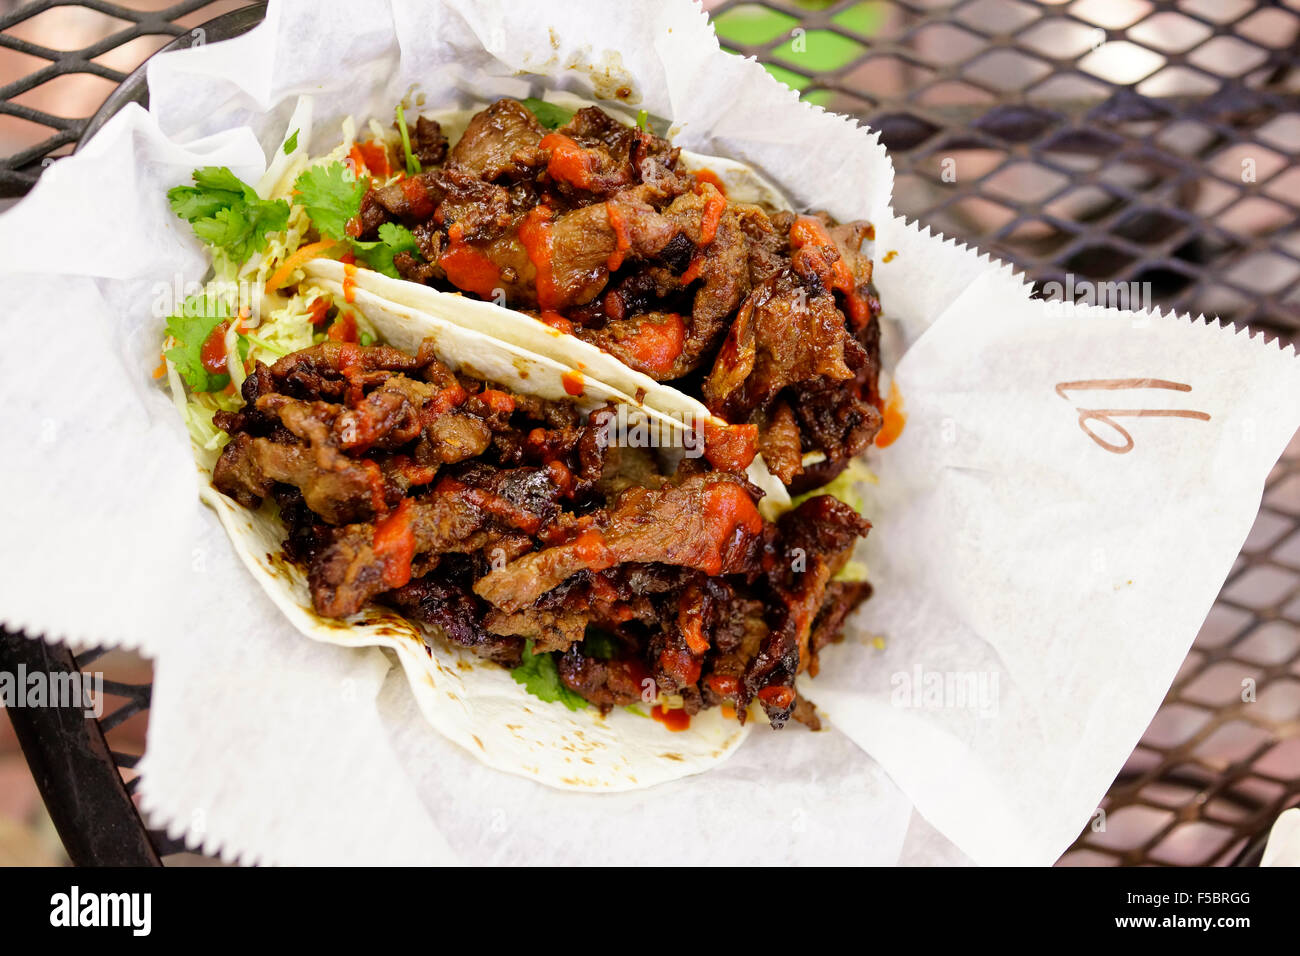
(727, 509)
(724, 685)
(657, 344)
(569, 163)
(356, 160)
(623, 241)
(374, 156)
(556, 321)
(351, 361)
(394, 545)
(535, 235)
(417, 197)
(351, 365)
(319, 310)
(573, 383)
(350, 281)
(453, 396)
(213, 352)
(730, 447)
(674, 720)
(814, 246)
(591, 549)
(715, 203)
(344, 328)
(499, 402)
(893, 416)
(710, 177)
(681, 665)
(467, 268)
(778, 697)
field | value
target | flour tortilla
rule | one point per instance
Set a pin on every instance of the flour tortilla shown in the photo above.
(471, 701)
(406, 306)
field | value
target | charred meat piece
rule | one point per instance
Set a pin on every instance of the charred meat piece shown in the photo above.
(326, 370)
(782, 336)
(816, 538)
(443, 600)
(428, 142)
(338, 492)
(619, 682)
(476, 511)
(842, 599)
(709, 522)
(780, 443)
(493, 138)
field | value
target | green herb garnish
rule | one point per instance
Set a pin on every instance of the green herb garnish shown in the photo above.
(541, 678)
(191, 327)
(548, 114)
(227, 213)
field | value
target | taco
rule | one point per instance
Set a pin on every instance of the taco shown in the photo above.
(564, 571)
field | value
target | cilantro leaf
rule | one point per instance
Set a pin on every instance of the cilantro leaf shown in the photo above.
(393, 239)
(548, 114)
(222, 179)
(227, 213)
(331, 195)
(241, 232)
(541, 678)
(191, 203)
(291, 143)
(191, 327)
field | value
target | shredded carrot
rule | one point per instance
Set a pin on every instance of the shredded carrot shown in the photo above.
(161, 370)
(308, 252)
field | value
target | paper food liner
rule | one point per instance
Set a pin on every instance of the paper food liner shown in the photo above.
(1036, 590)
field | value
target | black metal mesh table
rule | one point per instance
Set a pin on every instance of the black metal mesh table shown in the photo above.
(1146, 146)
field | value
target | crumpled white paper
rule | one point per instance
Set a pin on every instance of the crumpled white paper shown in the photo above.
(1283, 848)
(1035, 595)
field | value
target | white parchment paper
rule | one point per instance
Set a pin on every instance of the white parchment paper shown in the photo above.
(1036, 592)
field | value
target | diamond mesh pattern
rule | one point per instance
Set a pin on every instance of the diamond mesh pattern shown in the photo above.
(59, 61)
(1120, 141)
